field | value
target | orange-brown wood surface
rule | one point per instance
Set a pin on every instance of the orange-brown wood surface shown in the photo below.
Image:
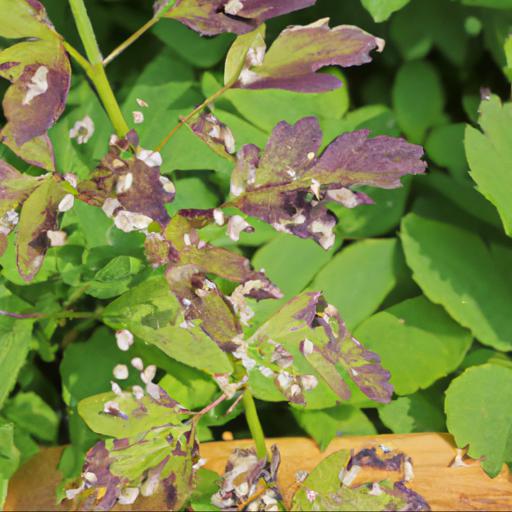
(444, 487)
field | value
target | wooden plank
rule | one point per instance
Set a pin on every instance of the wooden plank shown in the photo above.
(444, 487)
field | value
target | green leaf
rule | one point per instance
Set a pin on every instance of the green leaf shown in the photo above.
(138, 419)
(206, 486)
(266, 108)
(323, 426)
(417, 341)
(479, 414)
(490, 156)
(419, 412)
(455, 268)
(23, 18)
(15, 340)
(9, 458)
(114, 278)
(291, 262)
(381, 10)
(496, 4)
(323, 490)
(415, 80)
(445, 146)
(153, 314)
(199, 51)
(359, 278)
(38, 216)
(30, 412)
(236, 57)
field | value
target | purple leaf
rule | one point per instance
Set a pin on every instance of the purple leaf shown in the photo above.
(299, 52)
(40, 74)
(288, 185)
(212, 17)
(216, 134)
(131, 190)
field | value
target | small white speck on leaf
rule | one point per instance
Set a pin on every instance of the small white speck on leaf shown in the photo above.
(82, 130)
(124, 339)
(38, 85)
(66, 203)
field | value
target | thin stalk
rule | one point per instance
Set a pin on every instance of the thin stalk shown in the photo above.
(122, 47)
(41, 316)
(197, 110)
(253, 421)
(97, 71)
(79, 58)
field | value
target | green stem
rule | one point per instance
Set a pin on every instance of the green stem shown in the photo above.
(251, 415)
(97, 71)
(197, 110)
(122, 47)
(41, 316)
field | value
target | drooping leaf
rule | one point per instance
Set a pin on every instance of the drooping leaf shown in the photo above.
(214, 17)
(304, 352)
(287, 184)
(490, 155)
(297, 54)
(479, 414)
(455, 268)
(417, 341)
(38, 216)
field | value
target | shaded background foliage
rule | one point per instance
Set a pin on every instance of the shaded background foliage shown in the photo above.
(426, 86)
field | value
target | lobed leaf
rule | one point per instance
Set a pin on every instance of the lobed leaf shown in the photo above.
(287, 185)
(306, 346)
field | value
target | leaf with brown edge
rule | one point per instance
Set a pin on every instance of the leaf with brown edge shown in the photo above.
(38, 216)
(40, 74)
(293, 60)
(212, 17)
(288, 184)
(305, 351)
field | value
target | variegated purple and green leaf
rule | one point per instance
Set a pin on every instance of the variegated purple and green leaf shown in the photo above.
(289, 184)
(190, 260)
(296, 56)
(304, 354)
(212, 17)
(39, 71)
(130, 189)
(152, 450)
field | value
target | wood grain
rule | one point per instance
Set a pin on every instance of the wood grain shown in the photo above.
(445, 488)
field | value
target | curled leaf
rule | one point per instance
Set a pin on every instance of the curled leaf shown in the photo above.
(212, 17)
(297, 54)
(288, 184)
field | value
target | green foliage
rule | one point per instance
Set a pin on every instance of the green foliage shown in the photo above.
(481, 419)
(149, 279)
